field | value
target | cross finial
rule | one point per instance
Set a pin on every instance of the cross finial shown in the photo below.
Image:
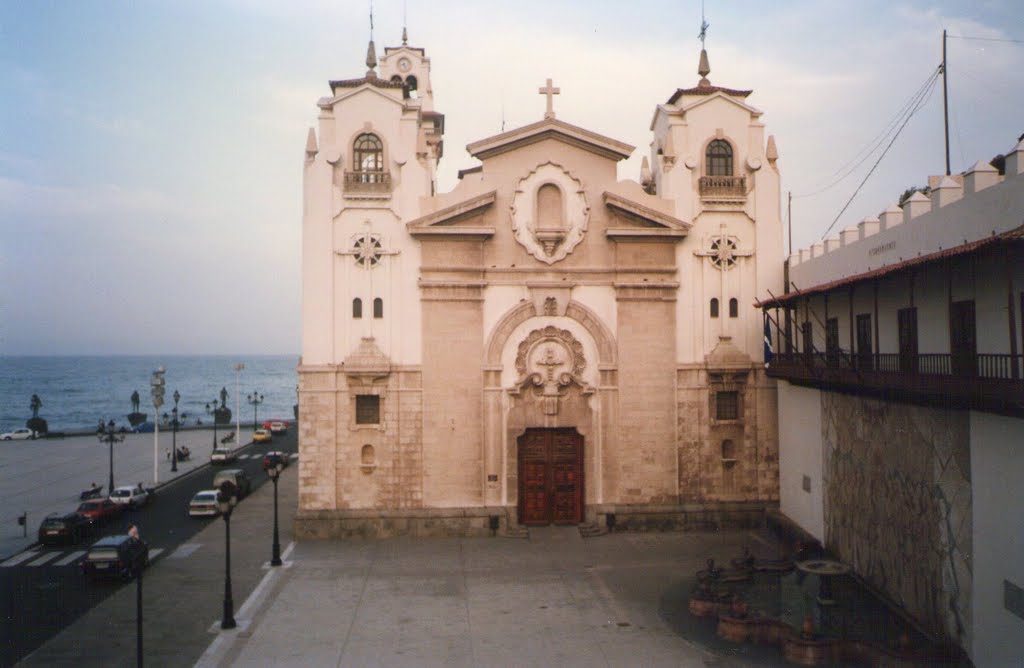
(549, 90)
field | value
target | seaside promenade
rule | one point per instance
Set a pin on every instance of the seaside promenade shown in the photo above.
(46, 475)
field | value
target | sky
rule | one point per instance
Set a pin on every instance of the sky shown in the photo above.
(151, 151)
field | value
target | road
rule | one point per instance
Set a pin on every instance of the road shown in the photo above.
(42, 591)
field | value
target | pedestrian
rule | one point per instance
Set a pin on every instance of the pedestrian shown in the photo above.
(133, 532)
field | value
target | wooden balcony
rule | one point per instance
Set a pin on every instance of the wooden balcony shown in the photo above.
(723, 188)
(376, 183)
(985, 382)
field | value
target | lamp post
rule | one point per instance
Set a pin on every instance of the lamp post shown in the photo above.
(255, 399)
(138, 618)
(214, 412)
(156, 386)
(174, 432)
(110, 437)
(275, 472)
(227, 497)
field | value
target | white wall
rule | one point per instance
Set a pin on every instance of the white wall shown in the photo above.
(799, 455)
(997, 468)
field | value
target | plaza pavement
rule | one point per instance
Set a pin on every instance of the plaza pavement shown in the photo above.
(46, 475)
(553, 599)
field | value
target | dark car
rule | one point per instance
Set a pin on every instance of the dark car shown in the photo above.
(58, 528)
(275, 457)
(98, 511)
(237, 478)
(116, 557)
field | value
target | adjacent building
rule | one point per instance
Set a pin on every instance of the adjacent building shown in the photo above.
(901, 403)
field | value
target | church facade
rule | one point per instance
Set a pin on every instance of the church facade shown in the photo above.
(545, 343)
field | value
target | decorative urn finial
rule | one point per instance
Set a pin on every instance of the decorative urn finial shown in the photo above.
(704, 69)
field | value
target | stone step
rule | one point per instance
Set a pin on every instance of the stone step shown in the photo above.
(590, 529)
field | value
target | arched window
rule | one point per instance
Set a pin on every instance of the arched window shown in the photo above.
(396, 79)
(714, 307)
(734, 308)
(411, 87)
(549, 206)
(368, 157)
(357, 308)
(378, 308)
(719, 158)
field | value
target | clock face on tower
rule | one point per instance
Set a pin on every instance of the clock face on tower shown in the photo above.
(404, 64)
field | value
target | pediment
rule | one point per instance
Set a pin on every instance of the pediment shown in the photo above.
(641, 219)
(719, 95)
(328, 102)
(457, 219)
(550, 128)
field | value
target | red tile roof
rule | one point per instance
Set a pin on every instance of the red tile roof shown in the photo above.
(707, 90)
(373, 81)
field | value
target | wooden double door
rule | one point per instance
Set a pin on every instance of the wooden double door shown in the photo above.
(551, 476)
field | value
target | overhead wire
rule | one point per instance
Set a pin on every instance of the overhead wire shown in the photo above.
(920, 103)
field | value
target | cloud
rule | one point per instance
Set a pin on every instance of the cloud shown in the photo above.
(69, 202)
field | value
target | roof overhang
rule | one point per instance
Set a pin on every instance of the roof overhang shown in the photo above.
(652, 223)
(442, 222)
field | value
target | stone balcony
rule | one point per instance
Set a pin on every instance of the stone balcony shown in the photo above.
(371, 183)
(723, 188)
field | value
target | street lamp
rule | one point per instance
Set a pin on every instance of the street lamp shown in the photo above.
(255, 399)
(156, 386)
(238, 397)
(110, 436)
(275, 472)
(214, 411)
(227, 497)
(174, 432)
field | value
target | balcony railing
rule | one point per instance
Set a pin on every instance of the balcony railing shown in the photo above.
(729, 188)
(993, 382)
(368, 182)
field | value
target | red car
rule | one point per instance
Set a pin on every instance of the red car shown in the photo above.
(99, 511)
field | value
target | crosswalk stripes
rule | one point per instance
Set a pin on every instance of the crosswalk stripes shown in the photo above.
(155, 552)
(18, 558)
(47, 556)
(74, 556)
(184, 550)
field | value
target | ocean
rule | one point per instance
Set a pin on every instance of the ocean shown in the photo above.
(79, 391)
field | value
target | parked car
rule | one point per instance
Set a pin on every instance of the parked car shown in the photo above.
(261, 436)
(22, 434)
(273, 457)
(278, 427)
(204, 504)
(132, 497)
(57, 528)
(223, 456)
(144, 428)
(116, 556)
(98, 511)
(236, 476)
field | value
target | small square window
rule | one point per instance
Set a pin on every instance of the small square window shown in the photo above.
(727, 406)
(367, 409)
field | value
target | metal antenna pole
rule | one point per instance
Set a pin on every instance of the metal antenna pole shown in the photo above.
(945, 98)
(789, 218)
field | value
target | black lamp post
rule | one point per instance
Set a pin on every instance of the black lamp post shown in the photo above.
(227, 497)
(110, 437)
(275, 472)
(255, 399)
(138, 618)
(174, 432)
(214, 411)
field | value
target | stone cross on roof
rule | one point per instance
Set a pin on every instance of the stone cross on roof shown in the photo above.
(549, 90)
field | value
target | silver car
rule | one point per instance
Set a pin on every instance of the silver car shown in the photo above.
(204, 504)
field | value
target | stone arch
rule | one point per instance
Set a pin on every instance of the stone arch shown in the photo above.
(603, 337)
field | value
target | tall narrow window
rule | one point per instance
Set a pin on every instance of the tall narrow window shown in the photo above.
(907, 320)
(734, 308)
(368, 157)
(832, 341)
(963, 339)
(807, 336)
(378, 308)
(719, 158)
(865, 355)
(714, 307)
(357, 308)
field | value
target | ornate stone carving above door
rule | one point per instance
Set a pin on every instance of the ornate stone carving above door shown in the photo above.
(549, 212)
(550, 360)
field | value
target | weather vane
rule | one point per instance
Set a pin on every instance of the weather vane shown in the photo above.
(704, 25)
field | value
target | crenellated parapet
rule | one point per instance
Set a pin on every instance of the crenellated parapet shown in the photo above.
(960, 209)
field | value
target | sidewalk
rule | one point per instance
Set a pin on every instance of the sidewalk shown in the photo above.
(47, 475)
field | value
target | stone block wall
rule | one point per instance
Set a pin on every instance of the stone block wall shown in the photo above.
(897, 487)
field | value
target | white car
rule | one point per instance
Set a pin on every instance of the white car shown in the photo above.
(133, 497)
(204, 504)
(223, 456)
(22, 434)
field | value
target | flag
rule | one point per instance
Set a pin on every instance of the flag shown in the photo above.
(769, 352)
